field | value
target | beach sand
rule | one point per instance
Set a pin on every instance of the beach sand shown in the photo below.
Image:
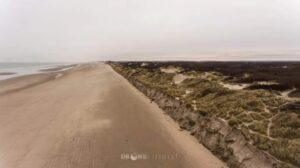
(90, 117)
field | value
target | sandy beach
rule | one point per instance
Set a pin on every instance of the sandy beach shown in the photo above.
(90, 117)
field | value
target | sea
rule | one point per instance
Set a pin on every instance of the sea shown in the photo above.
(11, 70)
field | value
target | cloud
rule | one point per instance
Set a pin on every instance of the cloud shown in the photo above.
(76, 30)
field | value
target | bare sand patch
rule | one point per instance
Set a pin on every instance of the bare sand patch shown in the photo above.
(267, 83)
(180, 77)
(169, 69)
(187, 92)
(285, 95)
(234, 86)
(144, 64)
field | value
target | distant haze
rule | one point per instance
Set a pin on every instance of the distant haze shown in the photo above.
(78, 30)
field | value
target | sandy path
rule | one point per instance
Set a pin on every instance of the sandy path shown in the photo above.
(88, 118)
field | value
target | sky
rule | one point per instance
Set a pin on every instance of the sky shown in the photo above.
(78, 30)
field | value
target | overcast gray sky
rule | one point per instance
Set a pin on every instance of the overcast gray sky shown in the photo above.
(78, 30)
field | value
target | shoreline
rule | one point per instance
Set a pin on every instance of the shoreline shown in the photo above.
(19, 71)
(25, 81)
(80, 120)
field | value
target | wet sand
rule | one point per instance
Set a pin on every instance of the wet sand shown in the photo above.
(7, 73)
(89, 117)
(58, 68)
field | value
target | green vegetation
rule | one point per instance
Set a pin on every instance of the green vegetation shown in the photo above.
(267, 120)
